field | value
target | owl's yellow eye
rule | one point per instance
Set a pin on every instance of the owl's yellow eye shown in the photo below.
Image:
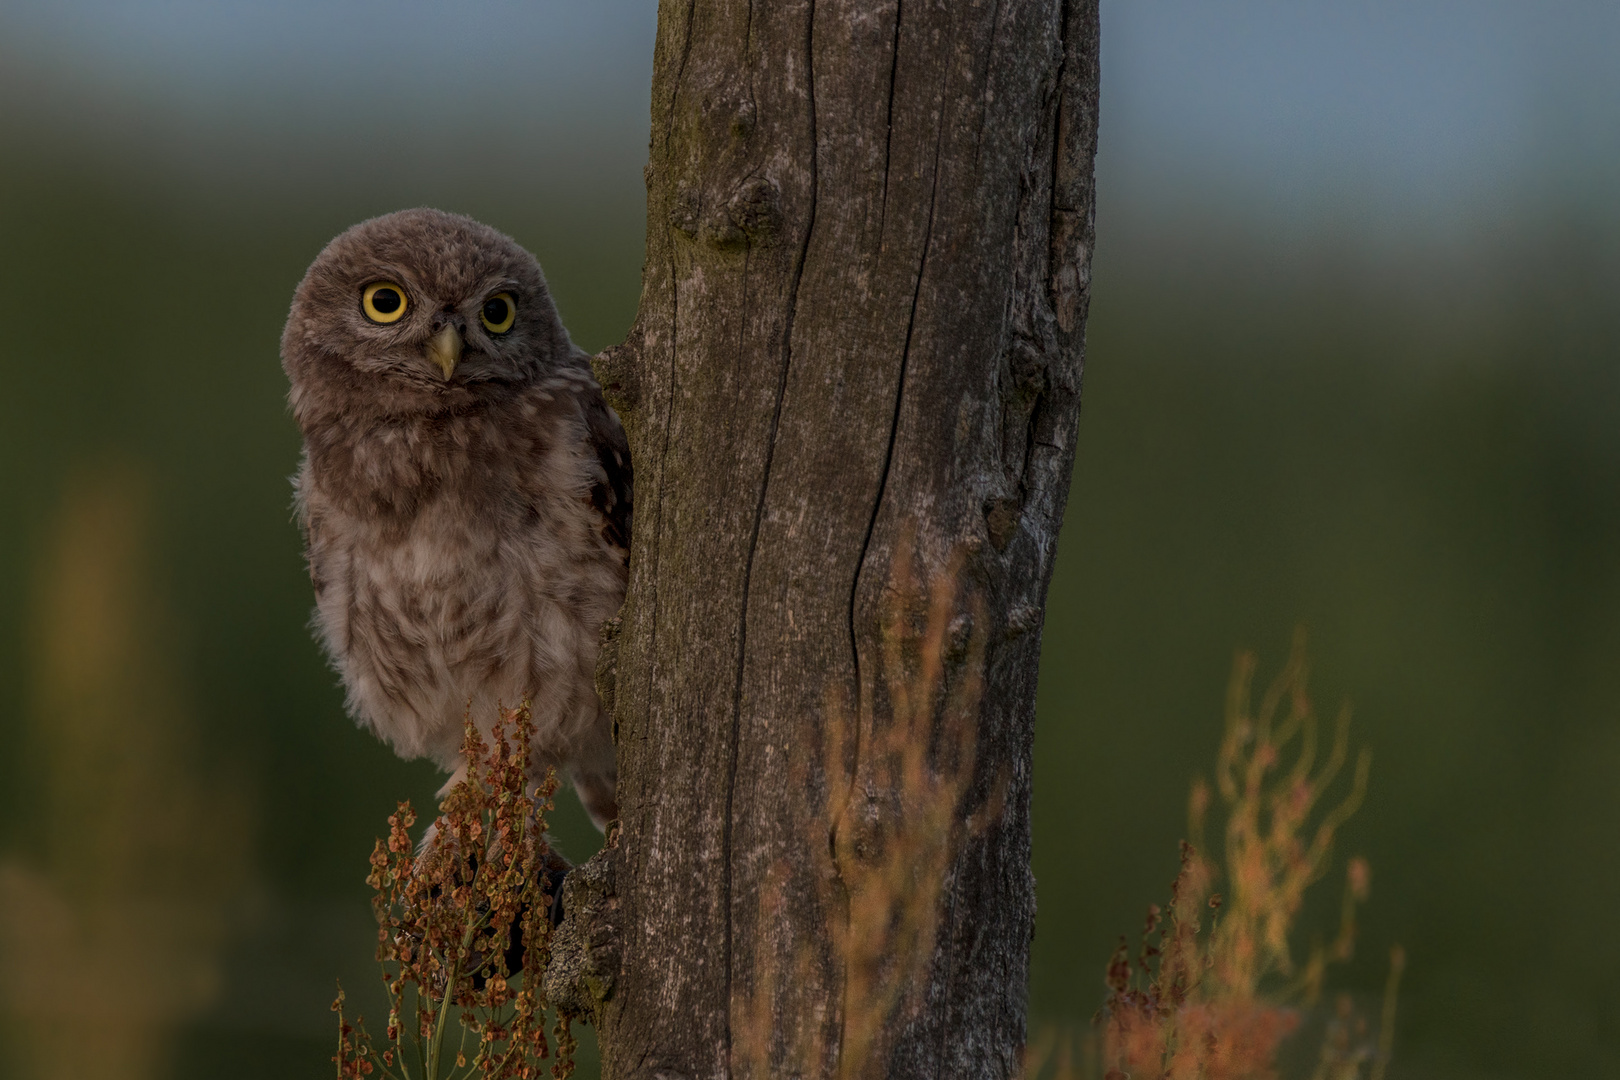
(383, 302)
(498, 313)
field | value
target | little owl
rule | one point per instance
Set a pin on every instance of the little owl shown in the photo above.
(464, 492)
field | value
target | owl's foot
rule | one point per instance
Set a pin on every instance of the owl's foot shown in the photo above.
(556, 871)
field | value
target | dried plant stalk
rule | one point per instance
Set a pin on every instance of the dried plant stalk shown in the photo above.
(916, 770)
(897, 826)
(1216, 1002)
(451, 917)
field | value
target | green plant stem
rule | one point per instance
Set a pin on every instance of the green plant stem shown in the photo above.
(416, 1037)
(452, 971)
(1386, 1025)
(339, 1058)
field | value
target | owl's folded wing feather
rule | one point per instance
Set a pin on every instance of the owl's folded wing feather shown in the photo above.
(611, 495)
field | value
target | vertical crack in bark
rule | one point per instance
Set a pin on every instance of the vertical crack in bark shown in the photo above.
(866, 539)
(680, 68)
(1057, 126)
(883, 475)
(742, 652)
(950, 975)
(726, 891)
(888, 123)
(663, 459)
(759, 507)
(899, 396)
(888, 455)
(984, 79)
(956, 883)
(661, 221)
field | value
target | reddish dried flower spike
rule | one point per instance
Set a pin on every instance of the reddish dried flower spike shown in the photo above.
(1213, 1003)
(446, 916)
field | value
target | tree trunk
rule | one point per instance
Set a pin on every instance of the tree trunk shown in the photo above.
(869, 231)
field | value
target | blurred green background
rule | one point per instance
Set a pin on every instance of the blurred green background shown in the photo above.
(1354, 363)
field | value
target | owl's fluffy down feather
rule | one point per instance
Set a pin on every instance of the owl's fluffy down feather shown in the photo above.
(467, 534)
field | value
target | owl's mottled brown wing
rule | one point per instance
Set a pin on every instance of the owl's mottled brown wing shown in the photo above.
(611, 495)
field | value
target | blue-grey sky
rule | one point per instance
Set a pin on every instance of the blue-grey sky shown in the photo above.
(310, 55)
(1404, 101)
(1293, 103)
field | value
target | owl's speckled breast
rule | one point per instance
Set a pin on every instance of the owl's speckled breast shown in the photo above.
(491, 589)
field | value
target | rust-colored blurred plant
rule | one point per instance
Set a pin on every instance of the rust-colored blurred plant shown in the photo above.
(450, 916)
(898, 815)
(901, 828)
(1216, 1003)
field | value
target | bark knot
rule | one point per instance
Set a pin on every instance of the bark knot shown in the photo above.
(752, 216)
(615, 369)
(585, 950)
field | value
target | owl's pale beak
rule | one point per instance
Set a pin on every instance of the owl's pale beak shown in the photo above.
(444, 349)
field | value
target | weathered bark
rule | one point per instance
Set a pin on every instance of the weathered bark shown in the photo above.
(869, 232)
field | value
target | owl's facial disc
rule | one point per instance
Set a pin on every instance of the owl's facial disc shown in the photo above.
(444, 349)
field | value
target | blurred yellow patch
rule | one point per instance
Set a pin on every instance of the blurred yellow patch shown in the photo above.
(110, 935)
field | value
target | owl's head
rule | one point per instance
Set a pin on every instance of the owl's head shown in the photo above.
(418, 311)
